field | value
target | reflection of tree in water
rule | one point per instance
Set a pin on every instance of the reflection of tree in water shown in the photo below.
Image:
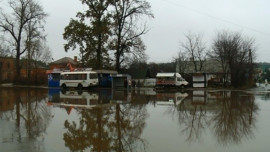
(230, 114)
(35, 113)
(91, 131)
(30, 112)
(235, 120)
(194, 120)
(192, 117)
(116, 128)
(194, 124)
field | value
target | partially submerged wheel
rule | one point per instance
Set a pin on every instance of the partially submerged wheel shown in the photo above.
(63, 86)
(182, 86)
(80, 87)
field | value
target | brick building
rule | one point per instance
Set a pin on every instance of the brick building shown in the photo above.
(8, 70)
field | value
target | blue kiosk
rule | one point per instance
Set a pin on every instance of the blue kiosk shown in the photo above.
(105, 77)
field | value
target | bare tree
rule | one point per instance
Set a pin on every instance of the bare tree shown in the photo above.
(127, 34)
(34, 32)
(4, 51)
(14, 24)
(195, 49)
(236, 54)
(181, 61)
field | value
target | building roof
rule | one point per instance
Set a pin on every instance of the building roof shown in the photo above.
(65, 60)
(209, 66)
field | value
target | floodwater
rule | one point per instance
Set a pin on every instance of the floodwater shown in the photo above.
(42, 120)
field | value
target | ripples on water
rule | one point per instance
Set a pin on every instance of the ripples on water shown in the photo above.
(136, 120)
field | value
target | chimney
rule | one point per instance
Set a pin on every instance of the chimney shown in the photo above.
(75, 58)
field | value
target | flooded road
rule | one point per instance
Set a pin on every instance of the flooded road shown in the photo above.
(42, 120)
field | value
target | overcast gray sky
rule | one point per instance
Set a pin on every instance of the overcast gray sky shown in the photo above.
(174, 18)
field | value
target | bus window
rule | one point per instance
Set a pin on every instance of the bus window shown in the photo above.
(64, 77)
(83, 76)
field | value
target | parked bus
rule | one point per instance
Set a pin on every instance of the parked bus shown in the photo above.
(78, 79)
(170, 80)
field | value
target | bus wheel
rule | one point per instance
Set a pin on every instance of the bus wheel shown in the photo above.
(64, 87)
(182, 86)
(80, 87)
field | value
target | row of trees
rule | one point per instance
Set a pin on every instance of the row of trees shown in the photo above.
(108, 32)
(22, 32)
(231, 54)
(233, 51)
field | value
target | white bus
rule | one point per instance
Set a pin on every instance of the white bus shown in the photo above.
(78, 79)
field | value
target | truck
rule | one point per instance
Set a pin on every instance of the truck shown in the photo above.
(170, 80)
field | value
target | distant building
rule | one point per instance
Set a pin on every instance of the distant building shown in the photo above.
(209, 66)
(262, 72)
(211, 73)
(8, 70)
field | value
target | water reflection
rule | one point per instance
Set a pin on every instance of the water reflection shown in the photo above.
(116, 120)
(230, 115)
(105, 124)
(266, 96)
(115, 116)
(235, 121)
(25, 114)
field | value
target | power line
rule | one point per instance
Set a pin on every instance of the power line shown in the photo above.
(216, 18)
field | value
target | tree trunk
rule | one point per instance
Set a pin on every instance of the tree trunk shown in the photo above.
(117, 66)
(99, 53)
(18, 68)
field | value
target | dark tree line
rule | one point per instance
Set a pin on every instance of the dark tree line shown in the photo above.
(233, 52)
(149, 70)
(108, 32)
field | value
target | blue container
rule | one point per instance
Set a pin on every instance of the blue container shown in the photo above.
(54, 80)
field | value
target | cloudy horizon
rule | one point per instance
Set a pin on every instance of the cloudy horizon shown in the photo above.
(173, 19)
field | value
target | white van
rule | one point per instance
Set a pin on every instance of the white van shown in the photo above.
(170, 80)
(78, 79)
